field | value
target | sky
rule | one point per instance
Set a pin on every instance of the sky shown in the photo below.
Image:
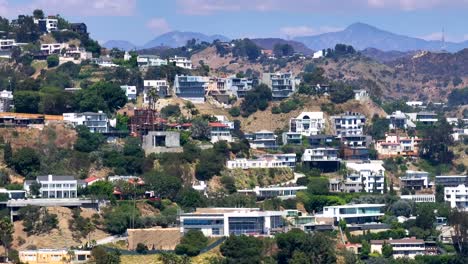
(139, 21)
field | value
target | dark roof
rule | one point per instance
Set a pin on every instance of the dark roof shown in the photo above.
(56, 178)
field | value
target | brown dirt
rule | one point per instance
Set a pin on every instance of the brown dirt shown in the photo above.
(147, 210)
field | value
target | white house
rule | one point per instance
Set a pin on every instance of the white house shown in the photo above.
(54, 48)
(348, 124)
(274, 191)
(161, 88)
(7, 44)
(96, 122)
(400, 120)
(48, 24)
(415, 180)
(318, 54)
(181, 62)
(215, 222)
(320, 154)
(6, 100)
(361, 95)
(370, 174)
(415, 103)
(150, 61)
(53, 186)
(130, 91)
(307, 123)
(266, 161)
(427, 118)
(457, 196)
(220, 132)
(419, 198)
(353, 213)
(406, 247)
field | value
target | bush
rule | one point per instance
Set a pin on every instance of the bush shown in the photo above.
(170, 111)
(192, 243)
(52, 61)
(141, 248)
(234, 111)
(256, 99)
(26, 162)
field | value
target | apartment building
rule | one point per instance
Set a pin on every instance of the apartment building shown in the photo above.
(150, 61)
(353, 213)
(130, 91)
(96, 122)
(160, 88)
(54, 256)
(457, 196)
(181, 62)
(282, 85)
(307, 123)
(369, 174)
(54, 186)
(216, 222)
(265, 161)
(348, 124)
(6, 101)
(406, 247)
(191, 88)
(415, 180)
(395, 145)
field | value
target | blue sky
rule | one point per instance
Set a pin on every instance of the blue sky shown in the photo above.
(139, 21)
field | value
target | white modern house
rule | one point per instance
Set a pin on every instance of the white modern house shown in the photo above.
(130, 91)
(266, 161)
(406, 247)
(274, 191)
(6, 101)
(307, 123)
(419, 198)
(348, 124)
(54, 48)
(370, 174)
(262, 139)
(415, 180)
(361, 94)
(96, 122)
(7, 44)
(217, 222)
(457, 196)
(150, 61)
(353, 213)
(427, 118)
(181, 62)
(400, 120)
(159, 87)
(320, 154)
(47, 24)
(54, 186)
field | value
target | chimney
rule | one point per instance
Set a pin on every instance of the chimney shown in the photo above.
(49, 177)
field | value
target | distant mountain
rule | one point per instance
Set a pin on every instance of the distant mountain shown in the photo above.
(176, 39)
(386, 56)
(362, 36)
(120, 44)
(269, 43)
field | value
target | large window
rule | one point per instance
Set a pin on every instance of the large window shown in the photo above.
(246, 225)
(198, 222)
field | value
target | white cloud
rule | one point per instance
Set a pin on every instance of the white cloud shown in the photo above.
(206, 7)
(448, 37)
(70, 7)
(432, 36)
(307, 31)
(158, 25)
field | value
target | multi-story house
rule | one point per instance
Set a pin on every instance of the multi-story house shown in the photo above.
(400, 120)
(181, 62)
(7, 44)
(292, 138)
(352, 213)
(54, 48)
(307, 123)
(266, 161)
(220, 132)
(427, 118)
(348, 124)
(395, 145)
(130, 91)
(324, 158)
(79, 28)
(415, 180)
(53, 186)
(150, 61)
(47, 25)
(402, 248)
(282, 85)
(191, 88)
(6, 101)
(214, 222)
(274, 191)
(160, 88)
(240, 86)
(451, 180)
(370, 174)
(457, 196)
(361, 95)
(96, 122)
(262, 139)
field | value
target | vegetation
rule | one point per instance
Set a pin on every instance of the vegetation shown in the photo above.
(191, 244)
(256, 99)
(37, 220)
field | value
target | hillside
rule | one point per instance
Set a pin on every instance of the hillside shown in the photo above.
(386, 56)
(269, 43)
(176, 39)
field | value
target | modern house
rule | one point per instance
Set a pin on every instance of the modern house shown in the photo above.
(54, 48)
(216, 222)
(307, 123)
(161, 141)
(47, 25)
(96, 122)
(324, 158)
(160, 88)
(79, 28)
(406, 247)
(130, 91)
(348, 124)
(400, 120)
(220, 132)
(323, 141)
(240, 86)
(457, 196)
(282, 85)
(274, 191)
(395, 145)
(54, 186)
(262, 139)
(6, 101)
(427, 118)
(419, 198)
(181, 62)
(451, 180)
(361, 95)
(415, 180)
(292, 138)
(370, 174)
(266, 161)
(191, 88)
(54, 256)
(353, 213)
(7, 44)
(150, 61)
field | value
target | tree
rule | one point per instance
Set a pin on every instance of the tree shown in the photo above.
(87, 141)
(401, 208)
(200, 129)
(26, 162)
(52, 61)
(38, 14)
(387, 250)
(141, 249)
(439, 195)
(190, 199)
(317, 185)
(435, 146)
(164, 186)
(172, 110)
(101, 189)
(256, 99)
(425, 217)
(341, 93)
(234, 111)
(26, 101)
(192, 243)
(459, 221)
(101, 256)
(242, 249)
(6, 234)
(365, 249)
(7, 154)
(35, 188)
(283, 50)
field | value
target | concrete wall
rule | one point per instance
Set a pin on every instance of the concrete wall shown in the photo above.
(172, 142)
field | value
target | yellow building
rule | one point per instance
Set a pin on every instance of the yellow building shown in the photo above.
(54, 256)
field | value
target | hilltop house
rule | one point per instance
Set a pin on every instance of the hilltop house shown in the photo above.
(181, 62)
(262, 139)
(47, 25)
(53, 186)
(457, 196)
(130, 91)
(265, 161)
(400, 120)
(307, 123)
(150, 61)
(159, 87)
(324, 158)
(282, 85)
(406, 247)
(395, 145)
(54, 48)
